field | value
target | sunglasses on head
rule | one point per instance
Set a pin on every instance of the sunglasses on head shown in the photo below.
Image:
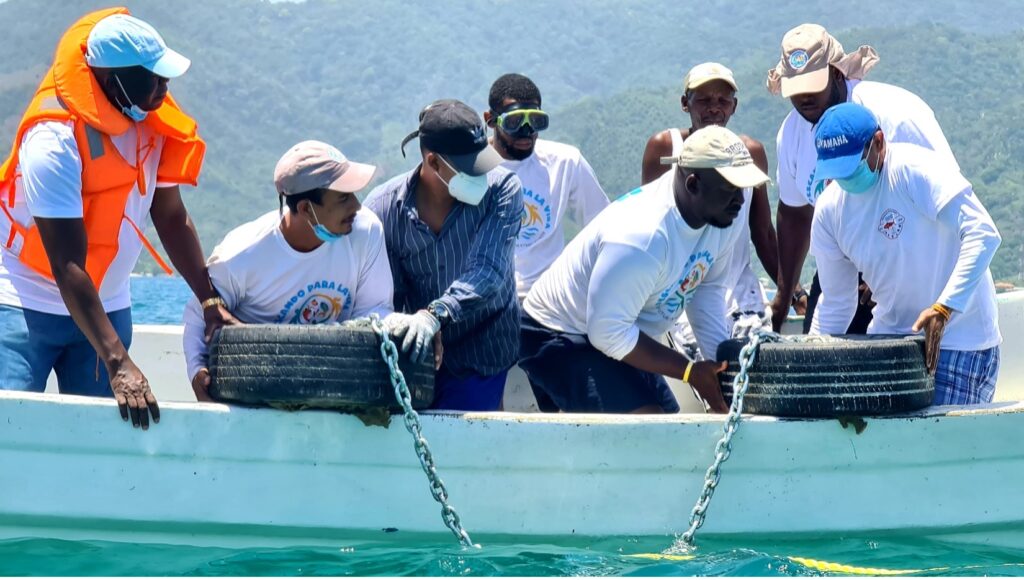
(520, 123)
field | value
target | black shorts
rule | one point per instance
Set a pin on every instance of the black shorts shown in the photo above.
(581, 379)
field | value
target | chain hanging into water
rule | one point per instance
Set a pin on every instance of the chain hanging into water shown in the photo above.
(412, 424)
(723, 449)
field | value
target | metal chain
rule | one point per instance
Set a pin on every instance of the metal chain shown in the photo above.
(723, 449)
(389, 352)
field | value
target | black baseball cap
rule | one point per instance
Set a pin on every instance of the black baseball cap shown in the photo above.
(454, 130)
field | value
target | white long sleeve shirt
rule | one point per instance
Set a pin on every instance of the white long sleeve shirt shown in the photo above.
(557, 183)
(919, 236)
(263, 280)
(902, 116)
(636, 268)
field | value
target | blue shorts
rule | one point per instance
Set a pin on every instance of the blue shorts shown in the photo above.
(578, 378)
(966, 377)
(34, 343)
(472, 393)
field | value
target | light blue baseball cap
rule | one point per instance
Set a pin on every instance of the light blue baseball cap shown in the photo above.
(120, 41)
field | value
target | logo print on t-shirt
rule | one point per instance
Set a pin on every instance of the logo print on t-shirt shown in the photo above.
(891, 224)
(815, 187)
(536, 220)
(317, 303)
(673, 300)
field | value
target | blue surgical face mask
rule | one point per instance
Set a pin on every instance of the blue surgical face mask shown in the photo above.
(469, 189)
(321, 231)
(133, 112)
(863, 178)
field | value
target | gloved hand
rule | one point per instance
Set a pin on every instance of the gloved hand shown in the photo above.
(746, 323)
(417, 329)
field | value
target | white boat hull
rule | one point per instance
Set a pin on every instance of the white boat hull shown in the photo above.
(212, 474)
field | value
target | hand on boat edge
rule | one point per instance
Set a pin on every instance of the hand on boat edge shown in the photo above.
(133, 395)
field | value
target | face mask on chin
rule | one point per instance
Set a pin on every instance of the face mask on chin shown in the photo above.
(133, 112)
(863, 178)
(469, 189)
(321, 231)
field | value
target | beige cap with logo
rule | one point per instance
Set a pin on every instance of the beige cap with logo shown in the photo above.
(719, 148)
(313, 165)
(706, 72)
(807, 53)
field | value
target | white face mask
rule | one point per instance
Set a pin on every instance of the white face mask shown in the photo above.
(469, 189)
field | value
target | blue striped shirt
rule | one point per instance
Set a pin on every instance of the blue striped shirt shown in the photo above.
(468, 265)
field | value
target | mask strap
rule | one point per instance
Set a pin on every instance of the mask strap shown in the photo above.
(124, 92)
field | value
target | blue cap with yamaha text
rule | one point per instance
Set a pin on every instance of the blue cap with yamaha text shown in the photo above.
(120, 41)
(843, 133)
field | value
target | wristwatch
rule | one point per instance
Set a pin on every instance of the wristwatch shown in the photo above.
(440, 312)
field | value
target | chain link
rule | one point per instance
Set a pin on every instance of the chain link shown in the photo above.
(389, 352)
(723, 449)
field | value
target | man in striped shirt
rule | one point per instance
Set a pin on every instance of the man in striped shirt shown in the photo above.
(450, 226)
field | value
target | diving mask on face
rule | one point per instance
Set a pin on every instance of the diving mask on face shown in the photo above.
(522, 123)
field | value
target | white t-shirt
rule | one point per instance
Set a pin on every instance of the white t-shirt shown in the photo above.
(634, 269)
(902, 116)
(50, 186)
(556, 179)
(919, 236)
(263, 280)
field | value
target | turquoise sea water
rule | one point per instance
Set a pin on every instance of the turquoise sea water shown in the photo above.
(160, 300)
(436, 557)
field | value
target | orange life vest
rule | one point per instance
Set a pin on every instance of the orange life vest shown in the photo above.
(70, 92)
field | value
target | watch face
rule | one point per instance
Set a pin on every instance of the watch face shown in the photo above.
(439, 312)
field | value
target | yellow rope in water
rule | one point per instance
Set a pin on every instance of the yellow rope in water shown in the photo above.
(856, 570)
(834, 567)
(669, 557)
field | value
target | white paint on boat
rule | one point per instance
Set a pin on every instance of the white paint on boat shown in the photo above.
(209, 473)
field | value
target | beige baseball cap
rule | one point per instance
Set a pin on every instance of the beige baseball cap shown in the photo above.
(313, 165)
(707, 72)
(719, 148)
(807, 53)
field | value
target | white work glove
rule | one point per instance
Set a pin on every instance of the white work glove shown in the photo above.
(418, 329)
(749, 322)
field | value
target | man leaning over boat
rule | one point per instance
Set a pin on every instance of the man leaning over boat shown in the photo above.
(905, 217)
(322, 260)
(102, 148)
(814, 73)
(591, 322)
(451, 225)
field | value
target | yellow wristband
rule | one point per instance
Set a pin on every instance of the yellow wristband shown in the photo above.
(943, 310)
(686, 373)
(215, 301)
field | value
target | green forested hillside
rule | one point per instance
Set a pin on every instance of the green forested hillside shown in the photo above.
(266, 75)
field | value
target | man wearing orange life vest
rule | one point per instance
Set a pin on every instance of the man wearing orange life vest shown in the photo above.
(101, 147)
